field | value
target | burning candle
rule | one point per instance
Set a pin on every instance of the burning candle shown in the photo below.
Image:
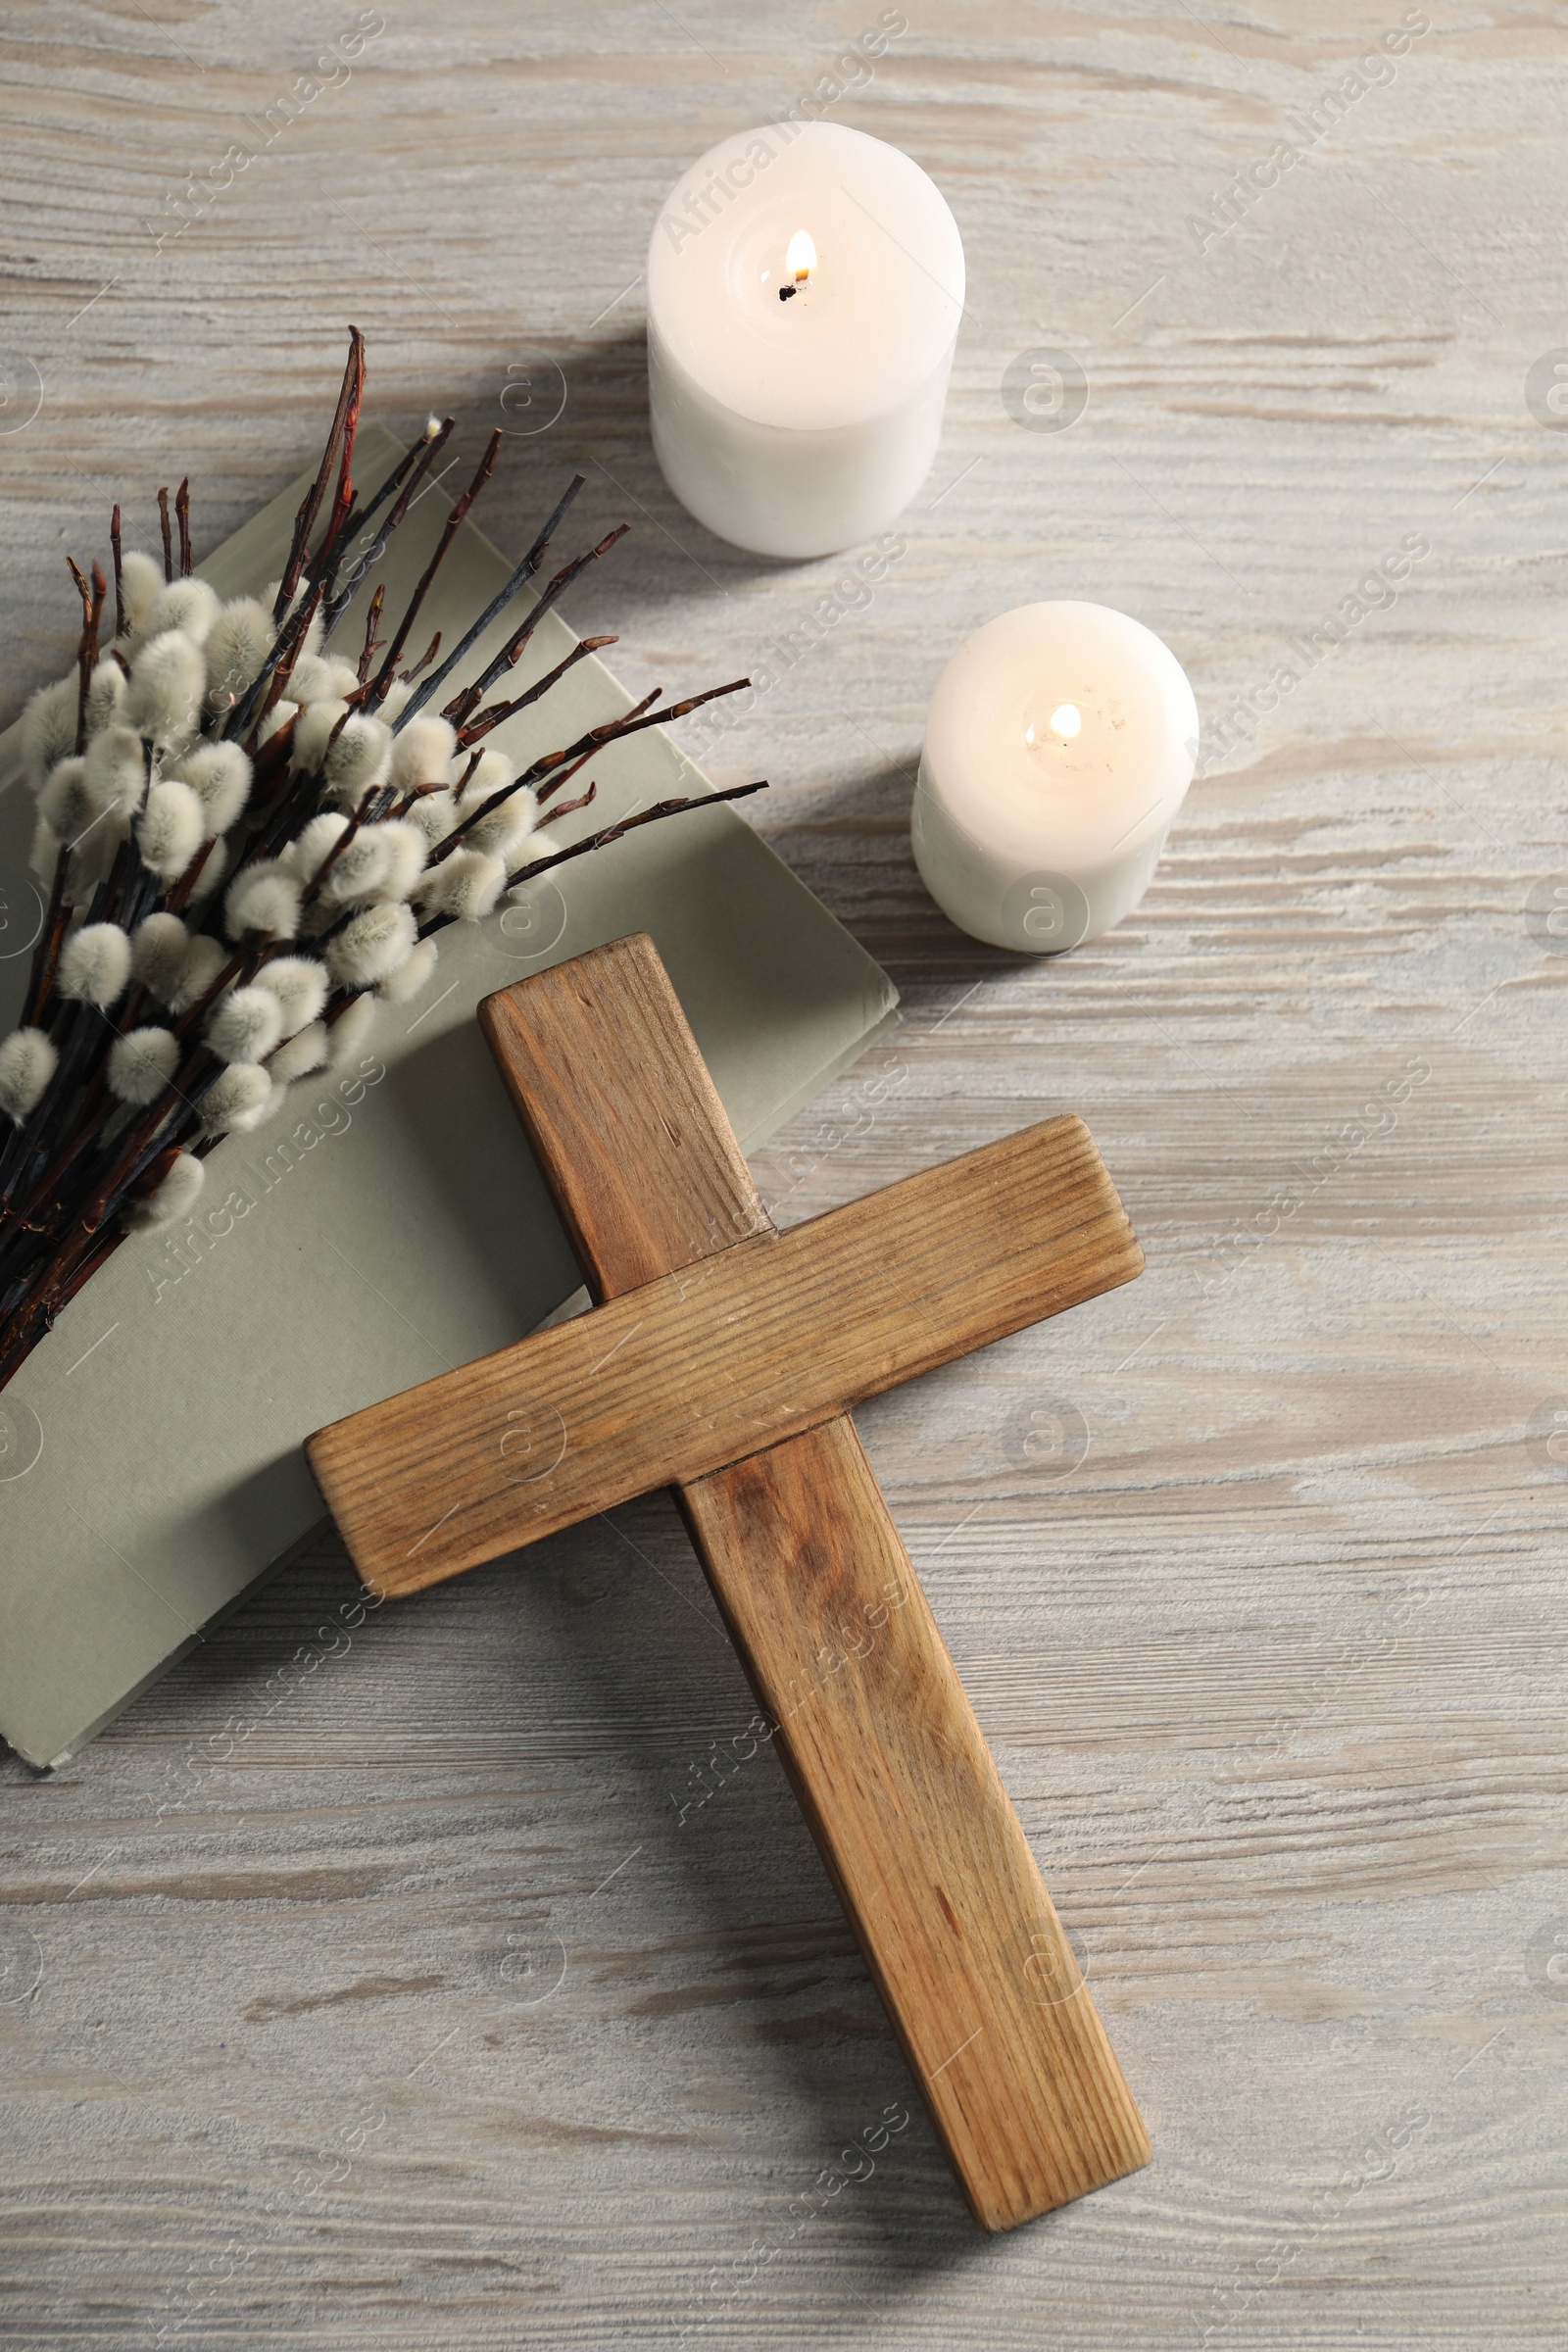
(1060, 745)
(805, 286)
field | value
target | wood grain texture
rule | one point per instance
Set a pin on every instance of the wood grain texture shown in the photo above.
(910, 1817)
(690, 1372)
(1270, 1639)
(648, 1107)
(879, 1741)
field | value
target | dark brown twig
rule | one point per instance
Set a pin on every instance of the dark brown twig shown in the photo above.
(297, 630)
(596, 739)
(411, 471)
(463, 705)
(372, 628)
(169, 548)
(584, 799)
(561, 766)
(616, 730)
(627, 824)
(347, 400)
(119, 591)
(408, 677)
(50, 942)
(178, 896)
(483, 721)
(337, 523)
(182, 511)
(388, 669)
(497, 604)
(358, 516)
(93, 607)
(370, 810)
(564, 775)
(85, 594)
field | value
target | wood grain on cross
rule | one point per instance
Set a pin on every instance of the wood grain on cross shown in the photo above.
(723, 1360)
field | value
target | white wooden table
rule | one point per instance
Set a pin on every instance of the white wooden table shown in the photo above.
(390, 1998)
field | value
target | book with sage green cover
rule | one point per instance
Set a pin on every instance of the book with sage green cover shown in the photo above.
(391, 1222)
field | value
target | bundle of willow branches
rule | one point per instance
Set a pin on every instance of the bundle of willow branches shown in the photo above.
(247, 838)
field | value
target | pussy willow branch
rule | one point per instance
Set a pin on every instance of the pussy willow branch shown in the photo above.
(73, 1167)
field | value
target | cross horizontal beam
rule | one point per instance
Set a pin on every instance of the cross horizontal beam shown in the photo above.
(756, 1342)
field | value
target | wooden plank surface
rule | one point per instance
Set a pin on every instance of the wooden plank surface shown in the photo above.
(692, 1371)
(858, 1692)
(372, 1991)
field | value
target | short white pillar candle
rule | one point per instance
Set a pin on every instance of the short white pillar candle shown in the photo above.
(1060, 745)
(805, 286)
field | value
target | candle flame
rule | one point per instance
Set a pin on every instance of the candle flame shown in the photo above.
(800, 257)
(1065, 720)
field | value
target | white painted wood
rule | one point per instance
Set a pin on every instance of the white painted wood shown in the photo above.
(1275, 1674)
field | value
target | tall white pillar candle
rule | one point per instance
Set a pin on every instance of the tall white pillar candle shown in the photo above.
(1060, 745)
(805, 286)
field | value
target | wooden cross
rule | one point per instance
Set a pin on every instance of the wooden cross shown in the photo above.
(721, 1361)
